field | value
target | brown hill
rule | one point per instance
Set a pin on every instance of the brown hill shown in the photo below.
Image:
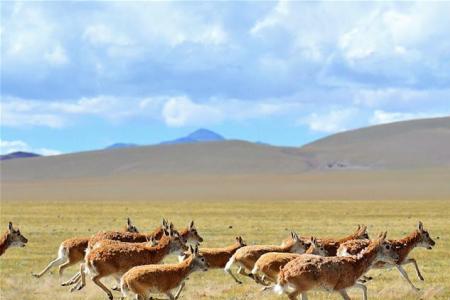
(405, 160)
(410, 144)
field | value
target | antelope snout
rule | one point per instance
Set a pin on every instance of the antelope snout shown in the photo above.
(395, 257)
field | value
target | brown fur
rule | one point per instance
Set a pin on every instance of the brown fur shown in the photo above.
(218, 257)
(11, 238)
(270, 264)
(189, 233)
(142, 280)
(114, 259)
(74, 250)
(248, 255)
(332, 245)
(4, 242)
(401, 246)
(330, 273)
(130, 237)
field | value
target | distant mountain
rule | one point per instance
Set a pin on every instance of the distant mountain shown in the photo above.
(121, 145)
(18, 154)
(198, 136)
(404, 160)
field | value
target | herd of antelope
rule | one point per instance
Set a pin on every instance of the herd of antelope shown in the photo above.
(298, 265)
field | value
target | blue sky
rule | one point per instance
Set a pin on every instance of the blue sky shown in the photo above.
(83, 75)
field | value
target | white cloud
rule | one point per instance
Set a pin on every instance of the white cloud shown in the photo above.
(100, 34)
(181, 111)
(12, 146)
(57, 56)
(333, 121)
(176, 111)
(18, 113)
(28, 35)
(403, 99)
(383, 117)
(17, 145)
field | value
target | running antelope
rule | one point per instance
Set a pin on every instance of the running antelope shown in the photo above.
(106, 243)
(218, 257)
(144, 280)
(115, 259)
(189, 234)
(11, 238)
(270, 263)
(332, 245)
(246, 257)
(418, 238)
(336, 273)
(131, 237)
(72, 251)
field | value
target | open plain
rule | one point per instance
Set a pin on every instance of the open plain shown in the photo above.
(46, 224)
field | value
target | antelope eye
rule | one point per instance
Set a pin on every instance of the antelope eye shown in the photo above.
(203, 259)
(388, 247)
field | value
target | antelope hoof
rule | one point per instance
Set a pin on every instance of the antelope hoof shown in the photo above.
(110, 297)
(421, 278)
(35, 275)
(77, 287)
(67, 283)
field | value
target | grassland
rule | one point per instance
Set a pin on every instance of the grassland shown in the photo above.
(46, 224)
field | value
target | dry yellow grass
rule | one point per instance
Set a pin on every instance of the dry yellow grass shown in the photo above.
(46, 224)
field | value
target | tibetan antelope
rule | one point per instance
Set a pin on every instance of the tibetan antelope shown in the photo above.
(418, 238)
(11, 238)
(72, 251)
(218, 257)
(147, 279)
(335, 273)
(246, 257)
(189, 234)
(115, 259)
(132, 237)
(332, 245)
(269, 264)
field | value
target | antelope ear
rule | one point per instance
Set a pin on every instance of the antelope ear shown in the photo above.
(129, 221)
(191, 250)
(359, 227)
(164, 222)
(171, 226)
(191, 225)
(295, 236)
(420, 226)
(166, 232)
(10, 226)
(196, 250)
(383, 236)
